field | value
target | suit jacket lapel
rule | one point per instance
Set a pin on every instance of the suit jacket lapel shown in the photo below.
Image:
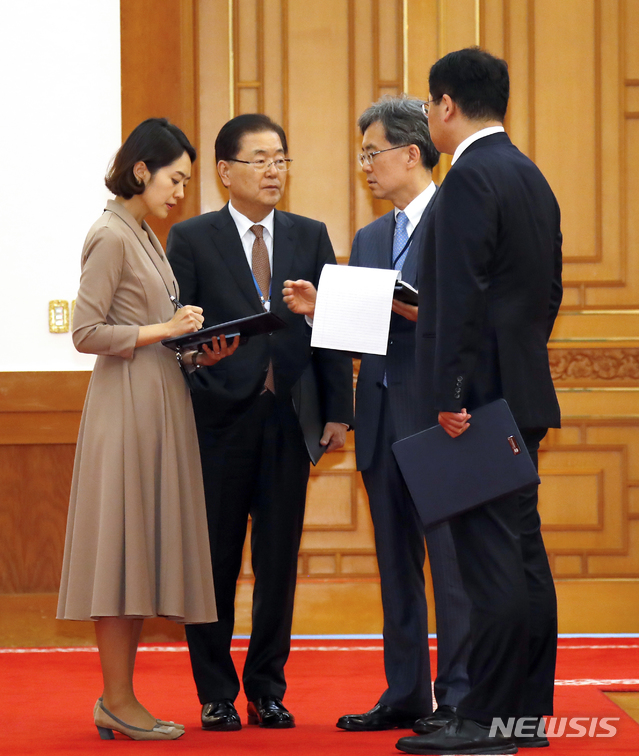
(227, 242)
(384, 250)
(409, 271)
(284, 242)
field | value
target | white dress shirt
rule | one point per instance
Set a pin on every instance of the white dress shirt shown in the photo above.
(247, 237)
(473, 138)
(415, 209)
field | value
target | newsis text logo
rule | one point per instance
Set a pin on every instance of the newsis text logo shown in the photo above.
(555, 727)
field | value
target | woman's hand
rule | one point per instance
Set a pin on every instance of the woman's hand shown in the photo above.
(220, 349)
(186, 320)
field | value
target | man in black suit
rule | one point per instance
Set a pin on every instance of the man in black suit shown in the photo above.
(232, 263)
(490, 289)
(398, 158)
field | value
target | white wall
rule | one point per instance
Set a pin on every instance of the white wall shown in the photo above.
(60, 95)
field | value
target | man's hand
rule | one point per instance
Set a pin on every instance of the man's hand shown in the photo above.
(454, 423)
(300, 297)
(405, 310)
(334, 436)
(217, 351)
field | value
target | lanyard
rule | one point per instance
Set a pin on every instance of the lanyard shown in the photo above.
(402, 252)
(259, 291)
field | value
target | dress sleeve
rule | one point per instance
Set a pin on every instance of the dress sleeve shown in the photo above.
(94, 331)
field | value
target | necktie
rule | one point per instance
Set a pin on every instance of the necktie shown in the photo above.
(262, 272)
(400, 240)
(400, 248)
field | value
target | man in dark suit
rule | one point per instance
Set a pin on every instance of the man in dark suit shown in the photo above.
(232, 263)
(398, 158)
(490, 289)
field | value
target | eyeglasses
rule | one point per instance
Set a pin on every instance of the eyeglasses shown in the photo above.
(261, 165)
(367, 157)
(426, 106)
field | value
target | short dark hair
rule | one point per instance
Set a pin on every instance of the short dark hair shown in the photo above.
(227, 144)
(404, 122)
(157, 143)
(475, 80)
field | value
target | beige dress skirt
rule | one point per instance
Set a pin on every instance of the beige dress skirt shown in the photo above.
(137, 539)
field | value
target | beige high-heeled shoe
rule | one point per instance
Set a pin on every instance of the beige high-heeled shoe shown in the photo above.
(170, 722)
(107, 722)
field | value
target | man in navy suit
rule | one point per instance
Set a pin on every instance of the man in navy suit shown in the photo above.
(398, 157)
(255, 462)
(490, 289)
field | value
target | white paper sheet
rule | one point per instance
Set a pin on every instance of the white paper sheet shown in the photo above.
(353, 309)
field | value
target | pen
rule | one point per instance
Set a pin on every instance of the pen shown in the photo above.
(176, 302)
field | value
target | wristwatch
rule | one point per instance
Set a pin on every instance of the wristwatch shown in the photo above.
(191, 364)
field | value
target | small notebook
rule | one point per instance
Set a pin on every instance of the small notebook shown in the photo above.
(404, 292)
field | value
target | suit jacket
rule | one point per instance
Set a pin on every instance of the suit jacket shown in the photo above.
(490, 276)
(208, 260)
(372, 248)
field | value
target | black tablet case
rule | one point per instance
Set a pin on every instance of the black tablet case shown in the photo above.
(254, 325)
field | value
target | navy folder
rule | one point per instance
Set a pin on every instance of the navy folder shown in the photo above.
(447, 476)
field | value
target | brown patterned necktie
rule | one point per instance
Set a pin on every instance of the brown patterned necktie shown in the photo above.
(262, 272)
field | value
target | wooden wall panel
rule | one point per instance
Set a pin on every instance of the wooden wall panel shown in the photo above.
(589, 499)
(422, 38)
(318, 82)
(571, 97)
(39, 420)
(159, 78)
(493, 26)
(388, 48)
(459, 25)
(214, 96)
(35, 483)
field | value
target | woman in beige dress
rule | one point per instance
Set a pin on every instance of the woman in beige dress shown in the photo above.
(137, 543)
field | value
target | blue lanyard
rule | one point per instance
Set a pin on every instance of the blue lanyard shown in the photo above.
(259, 291)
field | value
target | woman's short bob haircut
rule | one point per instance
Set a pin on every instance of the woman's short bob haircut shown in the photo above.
(157, 143)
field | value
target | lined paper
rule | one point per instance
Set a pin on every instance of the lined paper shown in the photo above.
(353, 309)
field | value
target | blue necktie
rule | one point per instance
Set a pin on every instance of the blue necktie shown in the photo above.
(400, 240)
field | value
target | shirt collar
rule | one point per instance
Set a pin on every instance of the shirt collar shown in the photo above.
(244, 224)
(415, 209)
(473, 138)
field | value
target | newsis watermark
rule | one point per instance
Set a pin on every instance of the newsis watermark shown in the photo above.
(554, 727)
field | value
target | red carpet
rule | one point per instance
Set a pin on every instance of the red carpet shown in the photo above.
(47, 697)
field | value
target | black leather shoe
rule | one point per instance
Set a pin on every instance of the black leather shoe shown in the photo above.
(435, 721)
(461, 736)
(269, 711)
(536, 739)
(380, 717)
(534, 742)
(220, 715)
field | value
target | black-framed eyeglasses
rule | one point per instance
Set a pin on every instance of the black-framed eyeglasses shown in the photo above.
(261, 165)
(367, 157)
